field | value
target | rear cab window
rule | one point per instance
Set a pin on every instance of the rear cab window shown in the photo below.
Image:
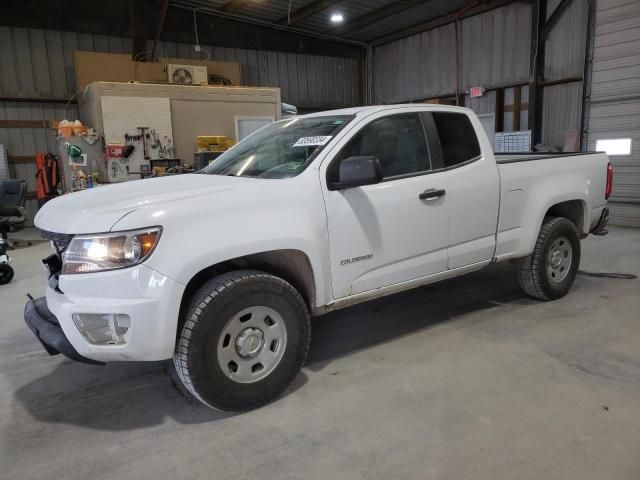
(458, 138)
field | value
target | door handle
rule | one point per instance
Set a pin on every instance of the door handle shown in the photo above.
(432, 194)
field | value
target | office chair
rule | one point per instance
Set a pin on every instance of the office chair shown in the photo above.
(12, 211)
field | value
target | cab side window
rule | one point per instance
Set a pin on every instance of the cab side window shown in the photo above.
(457, 137)
(398, 141)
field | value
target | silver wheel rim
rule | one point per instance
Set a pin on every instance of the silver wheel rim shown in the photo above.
(559, 259)
(252, 344)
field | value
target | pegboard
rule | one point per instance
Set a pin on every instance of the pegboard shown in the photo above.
(122, 116)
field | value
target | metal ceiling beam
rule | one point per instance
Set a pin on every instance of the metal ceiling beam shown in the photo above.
(137, 27)
(163, 15)
(308, 10)
(554, 17)
(215, 28)
(233, 5)
(374, 16)
(536, 70)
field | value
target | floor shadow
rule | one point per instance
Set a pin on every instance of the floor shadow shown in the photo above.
(345, 331)
(128, 396)
(616, 276)
(116, 397)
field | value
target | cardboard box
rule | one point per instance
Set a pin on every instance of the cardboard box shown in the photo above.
(119, 67)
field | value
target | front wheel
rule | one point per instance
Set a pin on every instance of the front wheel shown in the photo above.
(245, 338)
(6, 273)
(550, 270)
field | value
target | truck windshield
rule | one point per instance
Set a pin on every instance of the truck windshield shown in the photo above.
(280, 150)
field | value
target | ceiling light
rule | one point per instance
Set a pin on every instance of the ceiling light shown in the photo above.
(337, 18)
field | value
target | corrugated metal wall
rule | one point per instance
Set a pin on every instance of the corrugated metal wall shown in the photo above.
(39, 64)
(614, 110)
(564, 59)
(416, 67)
(566, 43)
(494, 51)
(561, 112)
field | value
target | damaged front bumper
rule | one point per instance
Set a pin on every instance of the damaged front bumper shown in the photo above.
(46, 328)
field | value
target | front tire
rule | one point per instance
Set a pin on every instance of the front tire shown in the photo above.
(6, 273)
(245, 338)
(549, 272)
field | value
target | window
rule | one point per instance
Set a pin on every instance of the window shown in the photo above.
(245, 126)
(280, 150)
(398, 141)
(457, 137)
(614, 146)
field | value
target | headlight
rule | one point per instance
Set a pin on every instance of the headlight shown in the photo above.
(108, 251)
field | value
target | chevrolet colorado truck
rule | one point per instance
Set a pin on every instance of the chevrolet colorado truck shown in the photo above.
(222, 269)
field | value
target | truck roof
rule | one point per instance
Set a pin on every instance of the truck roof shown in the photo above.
(378, 108)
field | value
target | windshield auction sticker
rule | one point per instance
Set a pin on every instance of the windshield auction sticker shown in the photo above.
(312, 141)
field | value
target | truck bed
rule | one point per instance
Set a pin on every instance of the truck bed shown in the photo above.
(531, 182)
(530, 156)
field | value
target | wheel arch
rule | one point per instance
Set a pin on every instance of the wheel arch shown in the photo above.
(293, 266)
(573, 210)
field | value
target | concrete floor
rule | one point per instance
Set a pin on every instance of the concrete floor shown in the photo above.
(465, 379)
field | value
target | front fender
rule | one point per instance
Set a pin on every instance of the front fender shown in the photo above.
(215, 232)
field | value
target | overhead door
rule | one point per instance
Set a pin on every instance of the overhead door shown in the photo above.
(614, 107)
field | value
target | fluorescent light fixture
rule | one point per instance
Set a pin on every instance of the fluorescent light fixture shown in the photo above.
(614, 146)
(337, 17)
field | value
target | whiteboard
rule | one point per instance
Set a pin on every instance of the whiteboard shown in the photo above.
(245, 126)
(122, 116)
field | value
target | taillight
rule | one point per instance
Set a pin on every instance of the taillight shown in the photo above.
(609, 187)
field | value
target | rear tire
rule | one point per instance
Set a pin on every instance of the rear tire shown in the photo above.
(549, 272)
(245, 338)
(6, 273)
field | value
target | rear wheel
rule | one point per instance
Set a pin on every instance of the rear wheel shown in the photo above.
(245, 338)
(6, 273)
(550, 270)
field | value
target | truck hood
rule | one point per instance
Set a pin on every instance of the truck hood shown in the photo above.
(99, 209)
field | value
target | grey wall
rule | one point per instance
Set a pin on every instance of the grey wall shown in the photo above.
(494, 52)
(564, 58)
(39, 64)
(614, 107)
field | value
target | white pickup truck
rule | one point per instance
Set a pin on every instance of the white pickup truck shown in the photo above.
(221, 270)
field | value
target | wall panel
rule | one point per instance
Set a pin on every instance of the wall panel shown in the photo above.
(566, 42)
(39, 64)
(494, 51)
(561, 112)
(614, 110)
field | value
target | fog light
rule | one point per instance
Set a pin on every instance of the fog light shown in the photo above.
(103, 328)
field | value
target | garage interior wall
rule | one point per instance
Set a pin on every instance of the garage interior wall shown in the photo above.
(494, 51)
(564, 62)
(494, 54)
(38, 64)
(614, 106)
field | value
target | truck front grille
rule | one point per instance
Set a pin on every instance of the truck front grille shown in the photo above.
(60, 241)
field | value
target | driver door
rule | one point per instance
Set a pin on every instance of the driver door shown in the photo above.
(390, 232)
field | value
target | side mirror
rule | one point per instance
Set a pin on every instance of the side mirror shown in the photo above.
(358, 171)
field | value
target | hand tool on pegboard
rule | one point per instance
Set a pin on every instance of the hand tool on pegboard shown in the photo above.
(144, 135)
